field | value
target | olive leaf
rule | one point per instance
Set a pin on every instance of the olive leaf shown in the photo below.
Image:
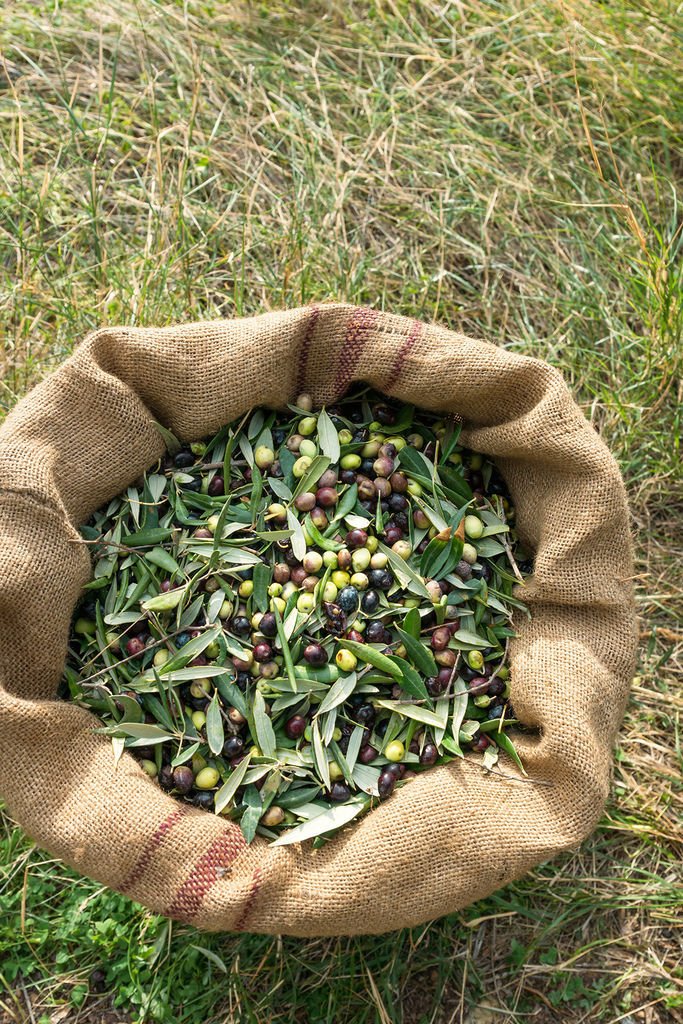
(421, 656)
(227, 791)
(327, 821)
(328, 436)
(215, 734)
(265, 737)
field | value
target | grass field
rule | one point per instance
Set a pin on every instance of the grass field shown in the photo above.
(507, 168)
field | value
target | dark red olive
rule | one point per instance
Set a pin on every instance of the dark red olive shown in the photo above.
(356, 539)
(166, 777)
(367, 754)
(216, 486)
(326, 497)
(295, 726)
(440, 638)
(262, 651)
(429, 754)
(315, 654)
(183, 778)
(481, 743)
(339, 792)
(399, 483)
(479, 685)
(268, 624)
(319, 518)
(385, 784)
(392, 534)
(135, 647)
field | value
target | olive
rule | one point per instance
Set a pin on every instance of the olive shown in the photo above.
(429, 754)
(478, 685)
(481, 743)
(339, 792)
(262, 651)
(183, 778)
(166, 777)
(370, 601)
(182, 460)
(385, 784)
(496, 687)
(356, 539)
(440, 638)
(365, 714)
(397, 770)
(216, 486)
(495, 711)
(295, 726)
(268, 624)
(203, 799)
(240, 625)
(380, 579)
(398, 502)
(374, 632)
(384, 414)
(367, 754)
(435, 686)
(392, 534)
(305, 502)
(347, 476)
(233, 747)
(315, 654)
(348, 599)
(135, 647)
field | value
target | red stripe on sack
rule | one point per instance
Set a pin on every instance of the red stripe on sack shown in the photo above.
(304, 348)
(396, 370)
(206, 872)
(357, 329)
(151, 846)
(256, 883)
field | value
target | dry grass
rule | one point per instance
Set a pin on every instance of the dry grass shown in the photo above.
(507, 168)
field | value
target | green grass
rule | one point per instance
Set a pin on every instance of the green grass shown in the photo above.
(510, 169)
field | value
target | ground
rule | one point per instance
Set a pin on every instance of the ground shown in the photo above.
(510, 169)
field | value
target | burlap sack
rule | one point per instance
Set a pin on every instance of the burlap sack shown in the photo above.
(453, 834)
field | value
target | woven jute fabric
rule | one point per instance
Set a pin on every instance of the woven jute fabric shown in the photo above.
(454, 833)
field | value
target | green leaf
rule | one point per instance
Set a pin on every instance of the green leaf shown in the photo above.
(506, 744)
(410, 681)
(284, 647)
(419, 654)
(326, 821)
(144, 537)
(265, 736)
(347, 503)
(338, 693)
(411, 711)
(320, 755)
(315, 471)
(374, 657)
(232, 784)
(172, 443)
(459, 708)
(451, 443)
(404, 573)
(231, 693)
(192, 649)
(412, 623)
(164, 602)
(251, 816)
(161, 558)
(215, 734)
(146, 733)
(466, 636)
(261, 577)
(298, 538)
(185, 755)
(210, 955)
(328, 437)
